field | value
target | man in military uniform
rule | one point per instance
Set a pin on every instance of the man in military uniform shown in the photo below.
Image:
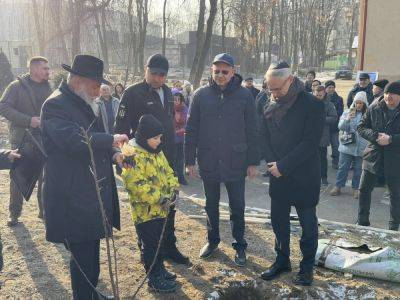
(153, 97)
(20, 105)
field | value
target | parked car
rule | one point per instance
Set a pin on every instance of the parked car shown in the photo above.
(344, 72)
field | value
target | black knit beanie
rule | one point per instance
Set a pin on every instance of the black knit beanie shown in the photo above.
(148, 127)
(393, 87)
(381, 83)
(330, 83)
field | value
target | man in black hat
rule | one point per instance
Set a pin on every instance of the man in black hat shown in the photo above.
(152, 96)
(72, 209)
(221, 134)
(293, 126)
(249, 84)
(377, 89)
(364, 84)
(20, 105)
(380, 126)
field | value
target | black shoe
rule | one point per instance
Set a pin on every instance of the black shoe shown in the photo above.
(240, 257)
(304, 278)
(161, 285)
(275, 270)
(174, 255)
(168, 275)
(207, 250)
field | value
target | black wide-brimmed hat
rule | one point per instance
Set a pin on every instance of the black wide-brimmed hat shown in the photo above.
(87, 66)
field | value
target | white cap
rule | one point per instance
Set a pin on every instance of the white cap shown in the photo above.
(361, 96)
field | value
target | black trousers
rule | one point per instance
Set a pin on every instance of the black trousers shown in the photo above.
(149, 234)
(235, 191)
(179, 158)
(367, 184)
(280, 219)
(323, 155)
(87, 255)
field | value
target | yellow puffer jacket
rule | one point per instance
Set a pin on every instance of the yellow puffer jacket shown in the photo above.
(147, 183)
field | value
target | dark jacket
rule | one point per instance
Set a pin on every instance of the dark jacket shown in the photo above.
(294, 146)
(308, 86)
(254, 91)
(18, 105)
(356, 89)
(261, 100)
(338, 102)
(330, 120)
(71, 207)
(222, 132)
(4, 161)
(140, 99)
(381, 160)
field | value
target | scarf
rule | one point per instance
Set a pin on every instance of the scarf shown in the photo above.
(278, 107)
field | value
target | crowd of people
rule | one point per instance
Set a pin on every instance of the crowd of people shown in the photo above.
(218, 133)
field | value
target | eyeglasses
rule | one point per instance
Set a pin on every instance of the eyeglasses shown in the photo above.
(224, 72)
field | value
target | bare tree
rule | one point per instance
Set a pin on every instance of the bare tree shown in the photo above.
(207, 42)
(164, 29)
(142, 7)
(199, 39)
(39, 28)
(102, 32)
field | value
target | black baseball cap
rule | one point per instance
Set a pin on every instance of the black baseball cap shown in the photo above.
(224, 58)
(364, 76)
(158, 63)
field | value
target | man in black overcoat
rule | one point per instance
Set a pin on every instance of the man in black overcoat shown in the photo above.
(293, 124)
(222, 134)
(71, 207)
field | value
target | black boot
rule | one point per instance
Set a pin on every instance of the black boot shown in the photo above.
(159, 284)
(207, 250)
(173, 254)
(167, 275)
(304, 278)
(275, 270)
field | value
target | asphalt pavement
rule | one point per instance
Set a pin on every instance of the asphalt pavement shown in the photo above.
(341, 208)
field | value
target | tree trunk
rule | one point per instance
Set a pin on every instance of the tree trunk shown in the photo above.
(130, 58)
(223, 26)
(164, 29)
(143, 15)
(56, 8)
(101, 33)
(207, 42)
(199, 39)
(75, 8)
(39, 28)
(271, 34)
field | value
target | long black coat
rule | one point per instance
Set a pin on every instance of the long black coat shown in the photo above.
(222, 132)
(294, 146)
(381, 160)
(140, 99)
(71, 207)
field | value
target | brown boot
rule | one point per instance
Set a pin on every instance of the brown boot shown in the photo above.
(355, 193)
(335, 191)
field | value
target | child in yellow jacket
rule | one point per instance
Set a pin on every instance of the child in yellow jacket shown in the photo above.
(151, 185)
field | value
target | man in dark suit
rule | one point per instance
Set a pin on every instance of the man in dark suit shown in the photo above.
(293, 124)
(73, 213)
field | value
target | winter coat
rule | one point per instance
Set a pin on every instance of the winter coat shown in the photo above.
(254, 91)
(377, 159)
(4, 161)
(180, 119)
(330, 120)
(18, 105)
(147, 183)
(140, 99)
(221, 131)
(308, 86)
(103, 111)
(70, 202)
(294, 146)
(338, 103)
(261, 100)
(357, 148)
(356, 89)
